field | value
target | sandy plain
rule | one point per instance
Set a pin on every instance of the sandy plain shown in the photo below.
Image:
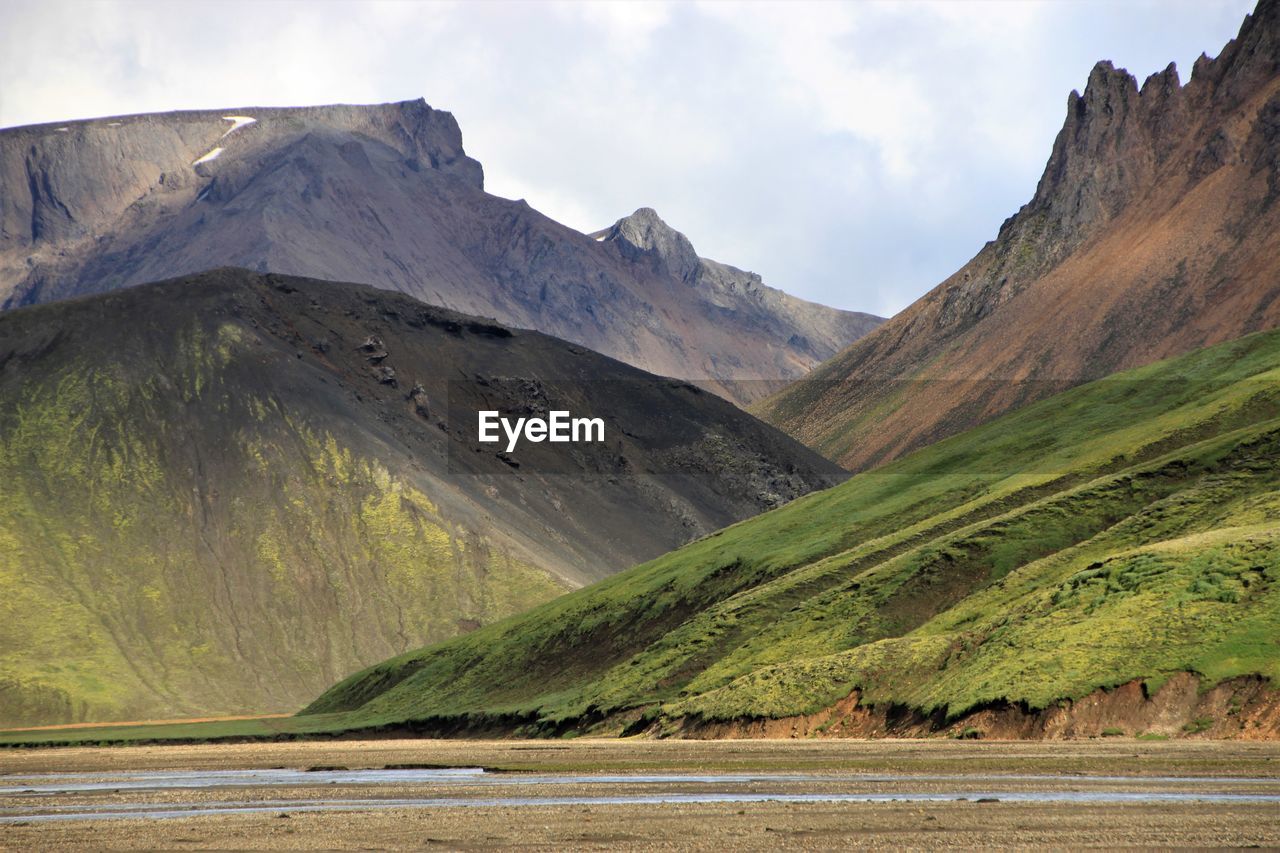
(983, 789)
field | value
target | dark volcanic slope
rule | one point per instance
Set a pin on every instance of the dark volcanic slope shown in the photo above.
(1154, 230)
(222, 493)
(383, 195)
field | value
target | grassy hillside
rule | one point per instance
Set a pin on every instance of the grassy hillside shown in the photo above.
(142, 569)
(174, 533)
(1127, 529)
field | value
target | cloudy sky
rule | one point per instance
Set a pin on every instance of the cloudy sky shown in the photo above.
(851, 153)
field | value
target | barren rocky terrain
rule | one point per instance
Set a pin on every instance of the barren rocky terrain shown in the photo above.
(962, 775)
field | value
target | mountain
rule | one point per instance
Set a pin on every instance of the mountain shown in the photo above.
(383, 195)
(224, 492)
(645, 242)
(1154, 230)
(1107, 558)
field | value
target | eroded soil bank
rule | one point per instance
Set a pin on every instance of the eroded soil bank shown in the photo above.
(1238, 709)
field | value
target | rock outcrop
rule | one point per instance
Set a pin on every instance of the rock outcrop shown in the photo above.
(801, 334)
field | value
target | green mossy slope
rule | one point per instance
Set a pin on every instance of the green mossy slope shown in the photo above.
(173, 543)
(1126, 529)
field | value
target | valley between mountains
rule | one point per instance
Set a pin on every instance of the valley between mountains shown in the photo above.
(1041, 502)
(1118, 537)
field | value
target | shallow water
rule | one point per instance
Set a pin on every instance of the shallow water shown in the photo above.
(158, 780)
(161, 780)
(465, 787)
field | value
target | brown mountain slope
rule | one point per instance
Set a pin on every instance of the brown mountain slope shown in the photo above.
(220, 494)
(383, 195)
(1155, 230)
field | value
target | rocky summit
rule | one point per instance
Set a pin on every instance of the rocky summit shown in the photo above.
(384, 195)
(1154, 230)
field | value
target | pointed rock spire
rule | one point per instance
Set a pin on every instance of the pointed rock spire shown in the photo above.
(643, 236)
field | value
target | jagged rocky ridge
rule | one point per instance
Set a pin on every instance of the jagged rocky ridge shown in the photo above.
(1153, 231)
(383, 195)
(222, 493)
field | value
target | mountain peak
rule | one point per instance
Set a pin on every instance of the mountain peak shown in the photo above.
(62, 192)
(1165, 81)
(644, 236)
(381, 193)
(1105, 76)
(1248, 61)
(1145, 238)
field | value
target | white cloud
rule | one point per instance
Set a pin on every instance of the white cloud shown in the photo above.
(629, 26)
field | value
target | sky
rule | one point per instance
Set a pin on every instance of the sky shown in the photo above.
(855, 154)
